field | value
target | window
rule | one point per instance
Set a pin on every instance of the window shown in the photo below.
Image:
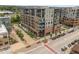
(38, 10)
(32, 12)
(1, 44)
(48, 22)
(52, 15)
(51, 22)
(4, 36)
(43, 12)
(6, 42)
(73, 13)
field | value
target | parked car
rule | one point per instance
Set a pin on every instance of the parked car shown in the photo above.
(72, 43)
(75, 41)
(69, 45)
(64, 49)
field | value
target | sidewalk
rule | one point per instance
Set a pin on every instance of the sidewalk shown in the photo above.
(28, 39)
(21, 45)
(53, 35)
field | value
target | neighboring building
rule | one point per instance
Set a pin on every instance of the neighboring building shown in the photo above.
(71, 16)
(6, 13)
(75, 49)
(39, 19)
(5, 18)
(57, 19)
(43, 20)
(5, 28)
(6, 21)
(4, 40)
(63, 14)
(48, 16)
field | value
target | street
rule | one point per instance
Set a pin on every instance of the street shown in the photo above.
(56, 45)
(51, 47)
(63, 41)
(36, 49)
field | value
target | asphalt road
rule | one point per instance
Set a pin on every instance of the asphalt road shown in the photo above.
(63, 41)
(37, 49)
(54, 46)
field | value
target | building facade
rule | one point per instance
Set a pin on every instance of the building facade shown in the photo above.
(7, 22)
(43, 20)
(4, 40)
(71, 16)
(5, 28)
(56, 19)
(39, 19)
(5, 18)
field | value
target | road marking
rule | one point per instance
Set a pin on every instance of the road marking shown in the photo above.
(33, 49)
(50, 48)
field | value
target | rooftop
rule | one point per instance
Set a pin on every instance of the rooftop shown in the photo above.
(34, 7)
(9, 12)
(4, 17)
(3, 29)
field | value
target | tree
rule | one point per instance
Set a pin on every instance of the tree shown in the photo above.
(12, 8)
(1, 14)
(45, 40)
(50, 35)
(20, 34)
(18, 18)
(15, 19)
(31, 34)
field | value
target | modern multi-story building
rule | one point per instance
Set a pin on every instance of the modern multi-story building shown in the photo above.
(5, 18)
(5, 27)
(56, 19)
(71, 16)
(39, 19)
(4, 40)
(43, 19)
(6, 21)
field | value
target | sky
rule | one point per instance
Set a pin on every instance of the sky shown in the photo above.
(40, 2)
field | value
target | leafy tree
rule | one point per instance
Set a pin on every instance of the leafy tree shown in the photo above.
(19, 33)
(15, 19)
(12, 8)
(31, 34)
(1, 14)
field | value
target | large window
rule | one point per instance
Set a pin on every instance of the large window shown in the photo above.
(1, 44)
(5, 36)
(43, 12)
(32, 12)
(48, 22)
(38, 13)
(6, 42)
